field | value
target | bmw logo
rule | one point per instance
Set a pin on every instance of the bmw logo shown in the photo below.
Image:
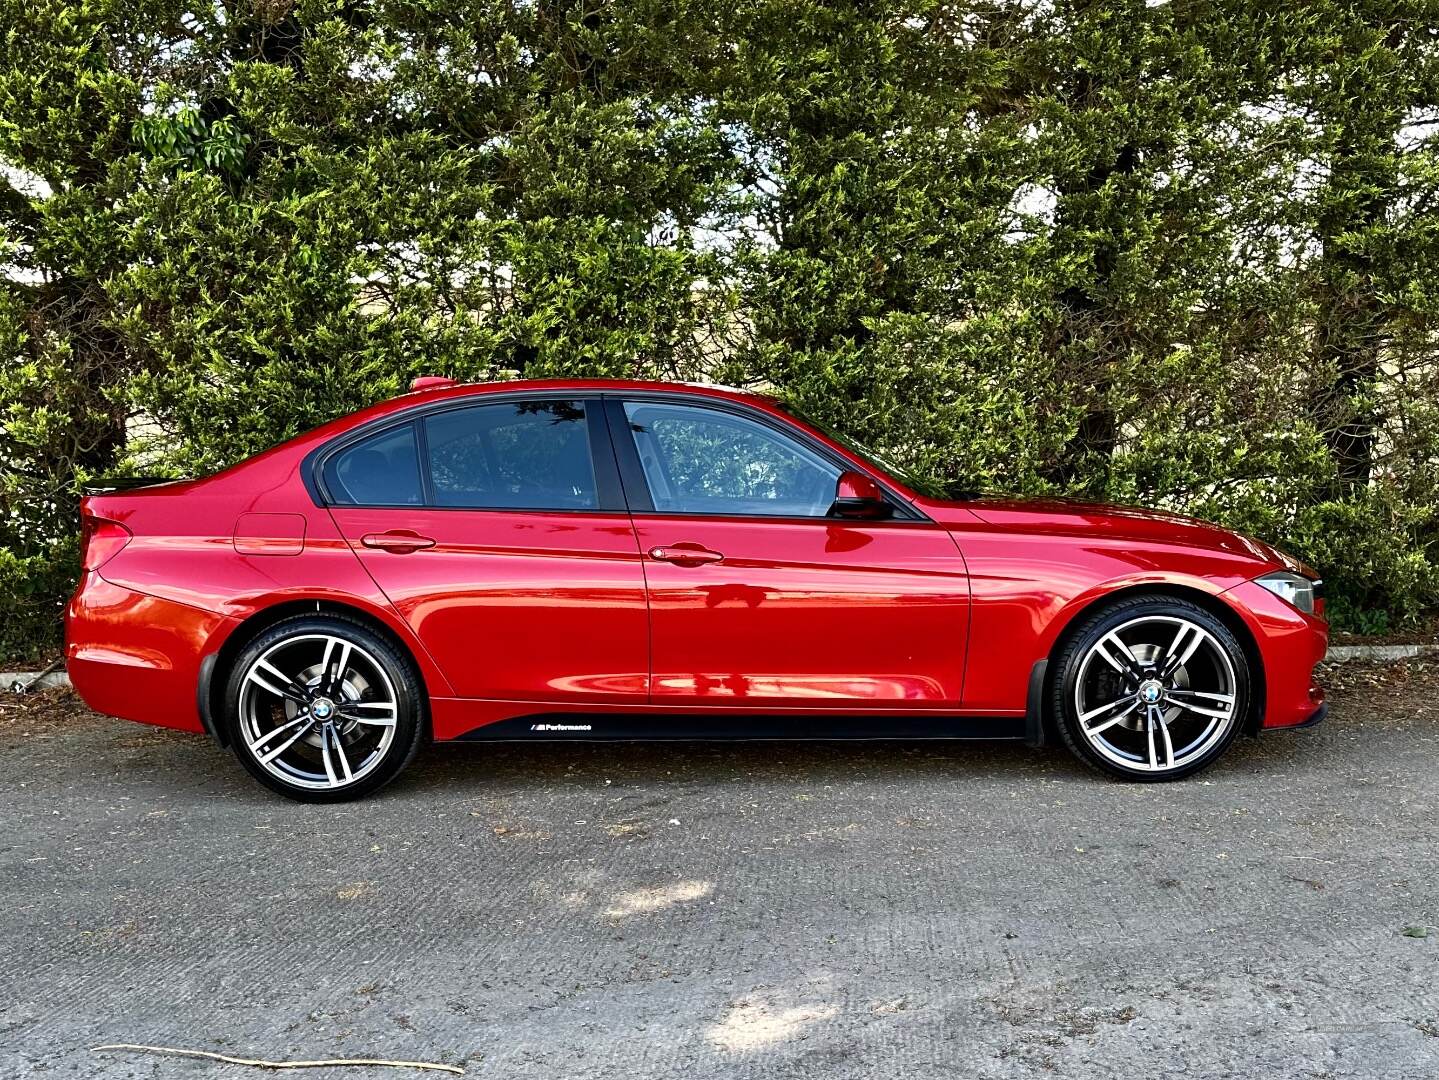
(321, 708)
(1150, 692)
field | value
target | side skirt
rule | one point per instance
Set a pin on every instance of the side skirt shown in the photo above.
(615, 727)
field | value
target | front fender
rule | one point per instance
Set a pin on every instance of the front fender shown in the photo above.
(1077, 605)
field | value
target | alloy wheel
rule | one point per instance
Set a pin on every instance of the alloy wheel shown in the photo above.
(317, 711)
(1155, 694)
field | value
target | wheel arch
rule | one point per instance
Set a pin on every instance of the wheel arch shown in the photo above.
(1214, 604)
(215, 668)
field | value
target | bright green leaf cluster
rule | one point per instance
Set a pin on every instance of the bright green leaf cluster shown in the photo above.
(1180, 254)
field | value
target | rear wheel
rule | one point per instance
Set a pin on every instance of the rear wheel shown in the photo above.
(1154, 688)
(322, 709)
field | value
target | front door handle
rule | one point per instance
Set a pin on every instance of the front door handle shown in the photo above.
(685, 554)
(397, 541)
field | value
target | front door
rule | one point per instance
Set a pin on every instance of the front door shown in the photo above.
(499, 533)
(760, 599)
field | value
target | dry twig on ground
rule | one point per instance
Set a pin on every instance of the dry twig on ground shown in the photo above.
(261, 1064)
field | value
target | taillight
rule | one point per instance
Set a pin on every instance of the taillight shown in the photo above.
(101, 541)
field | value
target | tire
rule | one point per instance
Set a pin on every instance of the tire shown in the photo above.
(1152, 688)
(322, 709)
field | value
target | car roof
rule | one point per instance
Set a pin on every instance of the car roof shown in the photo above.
(461, 391)
(311, 441)
(582, 386)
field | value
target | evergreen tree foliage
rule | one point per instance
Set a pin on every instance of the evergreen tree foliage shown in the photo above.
(1182, 254)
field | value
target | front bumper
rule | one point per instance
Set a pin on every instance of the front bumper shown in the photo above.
(1318, 717)
(1291, 644)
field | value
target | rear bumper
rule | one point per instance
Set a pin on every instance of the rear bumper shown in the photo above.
(137, 656)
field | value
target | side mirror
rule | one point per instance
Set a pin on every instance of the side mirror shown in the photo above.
(857, 496)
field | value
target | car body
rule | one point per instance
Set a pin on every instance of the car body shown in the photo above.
(607, 559)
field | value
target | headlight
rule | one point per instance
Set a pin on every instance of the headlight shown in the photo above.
(1295, 589)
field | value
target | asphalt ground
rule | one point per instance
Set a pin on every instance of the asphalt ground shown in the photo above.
(718, 911)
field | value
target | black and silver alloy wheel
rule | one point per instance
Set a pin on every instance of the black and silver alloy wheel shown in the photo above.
(322, 709)
(1151, 689)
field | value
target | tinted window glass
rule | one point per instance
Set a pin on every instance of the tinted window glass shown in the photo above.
(532, 455)
(382, 470)
(704, 461)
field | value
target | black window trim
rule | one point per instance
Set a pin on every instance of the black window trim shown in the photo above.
(636, 485)
(609, 490)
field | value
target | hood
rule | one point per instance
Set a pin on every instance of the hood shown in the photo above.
(1097, 520)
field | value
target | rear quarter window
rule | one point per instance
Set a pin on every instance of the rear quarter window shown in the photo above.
(382, 470)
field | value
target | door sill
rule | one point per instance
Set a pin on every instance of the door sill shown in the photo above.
(741, 727)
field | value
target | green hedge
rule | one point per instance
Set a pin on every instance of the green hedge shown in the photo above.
(33, 589)
(1181, 255)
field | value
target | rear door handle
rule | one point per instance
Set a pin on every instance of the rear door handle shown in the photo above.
(397, 542)
(685, 554)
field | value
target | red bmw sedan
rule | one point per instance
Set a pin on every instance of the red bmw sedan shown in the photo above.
(627, 560)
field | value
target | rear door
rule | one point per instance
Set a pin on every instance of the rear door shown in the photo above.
(497, 528)
(758, 597)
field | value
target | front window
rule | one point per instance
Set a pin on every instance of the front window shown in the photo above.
(699, 460)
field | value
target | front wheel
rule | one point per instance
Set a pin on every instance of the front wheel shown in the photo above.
(1154, 688)
(322, 709)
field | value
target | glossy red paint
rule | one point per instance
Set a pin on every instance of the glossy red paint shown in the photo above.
(431, 382)
(1035, 565)
(1292, 644)
(528, 606)
(137, 656)
(806, 612)
(941, 609)
(858, 496)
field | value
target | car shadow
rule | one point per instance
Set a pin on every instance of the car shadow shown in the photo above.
(500, 767)
(467, 769)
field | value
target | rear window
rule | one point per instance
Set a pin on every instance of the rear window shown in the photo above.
(383, 470)
(528, 455)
